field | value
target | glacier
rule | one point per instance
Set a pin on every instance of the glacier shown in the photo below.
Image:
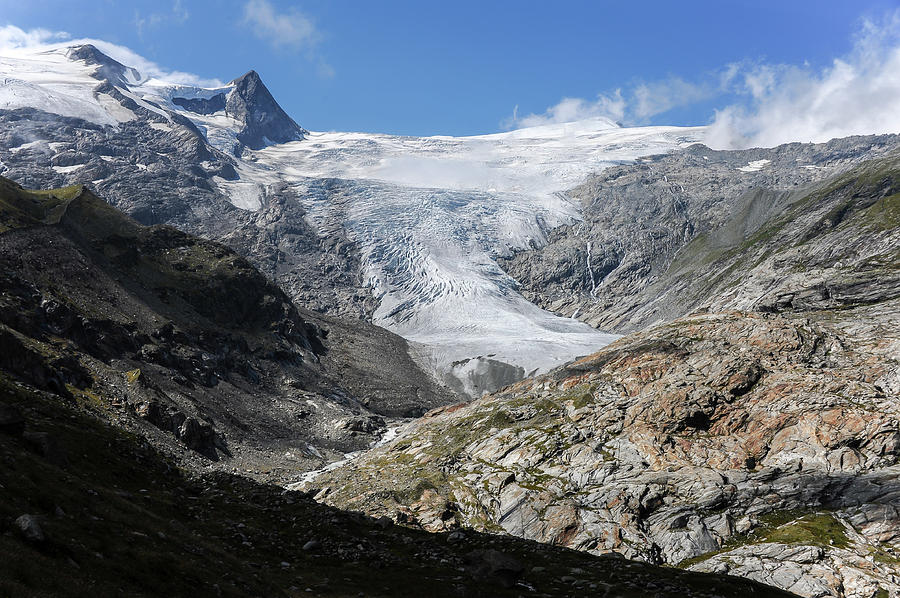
(429, 214)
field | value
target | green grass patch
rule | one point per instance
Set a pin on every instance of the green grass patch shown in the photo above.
(133, 376)
(817, 529)
(24, 207)
(794, 526)
(884, 214)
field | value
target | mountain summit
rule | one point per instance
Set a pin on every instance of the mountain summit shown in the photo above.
(108, 68)
(265, 123)
(64, 80)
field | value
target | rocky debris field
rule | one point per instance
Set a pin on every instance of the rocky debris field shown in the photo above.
(761, 445)
(89, 510)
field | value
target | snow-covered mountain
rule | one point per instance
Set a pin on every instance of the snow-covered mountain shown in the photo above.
(428, 216)
(64, 80)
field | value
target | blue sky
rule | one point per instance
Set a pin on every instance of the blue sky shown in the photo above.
(463, 67)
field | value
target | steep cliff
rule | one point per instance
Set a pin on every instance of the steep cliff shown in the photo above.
(720, 229)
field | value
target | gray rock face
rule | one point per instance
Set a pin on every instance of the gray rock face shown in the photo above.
(202, 105)
(319, 267)
(264, 121)
(495, 567)
(482, 372)
(760, 445)
(666, 235)
(807, 571)
(30, 529)
(168, 176)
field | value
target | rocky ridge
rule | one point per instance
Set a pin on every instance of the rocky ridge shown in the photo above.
(761, 445)
(696, 228)
(263, 121)
(160, 167)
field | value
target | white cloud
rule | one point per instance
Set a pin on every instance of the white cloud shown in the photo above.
(855, 95)
(13, 38)
(141, 22)
(611, 106)
(287, 30)
(769, 104)
(177, 15)
(650, 99)
(324, 70)
(290, 30)
(147, 68)
(632, 107)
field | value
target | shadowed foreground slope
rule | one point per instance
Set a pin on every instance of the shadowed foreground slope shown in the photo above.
(191, 345)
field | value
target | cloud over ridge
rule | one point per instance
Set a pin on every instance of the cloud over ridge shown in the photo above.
(13, 38)
(767, 104)
(855, 95)
(290, 29)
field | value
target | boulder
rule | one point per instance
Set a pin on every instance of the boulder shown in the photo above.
(47, 446)
(29, 529)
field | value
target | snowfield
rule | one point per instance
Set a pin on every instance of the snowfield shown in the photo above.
(430, 214)
(48, 80)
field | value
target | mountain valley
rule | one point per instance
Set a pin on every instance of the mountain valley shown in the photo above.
(571, 358)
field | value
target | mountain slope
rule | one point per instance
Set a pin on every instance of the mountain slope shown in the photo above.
(759, 445)
(90, 510)
(191, 340)
(762, 443)
(723, 230)
(264, 122)
(448, 242)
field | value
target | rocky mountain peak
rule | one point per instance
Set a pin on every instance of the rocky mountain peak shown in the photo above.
(91, 55)
(108, 68)
(265, 122)
(251, 77)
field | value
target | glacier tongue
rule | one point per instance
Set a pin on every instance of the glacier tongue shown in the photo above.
(431, 214)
